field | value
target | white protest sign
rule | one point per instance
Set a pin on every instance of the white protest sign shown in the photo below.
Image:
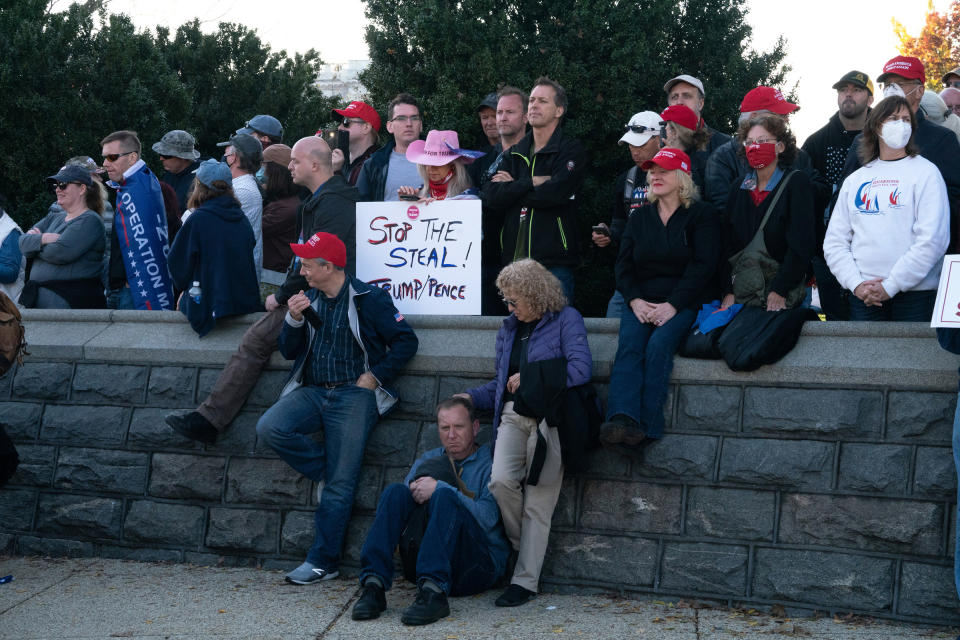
(427, 257)
(946, 312)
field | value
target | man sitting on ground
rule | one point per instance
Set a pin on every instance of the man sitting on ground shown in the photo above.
(463, 549)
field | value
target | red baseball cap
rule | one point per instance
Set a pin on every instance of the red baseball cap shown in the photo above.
(668, 158)
(325, 246)
(359, 109)
(905, 66)
(680, 114)
(766, 99)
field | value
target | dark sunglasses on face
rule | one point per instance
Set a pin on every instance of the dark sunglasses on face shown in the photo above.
(113, 157)
(62, 186)
(163, 157)
(638, 128)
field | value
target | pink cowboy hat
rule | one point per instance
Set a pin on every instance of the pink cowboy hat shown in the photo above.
(440, 148)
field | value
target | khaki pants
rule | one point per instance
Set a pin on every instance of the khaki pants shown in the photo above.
(526, 510)
(243, 370)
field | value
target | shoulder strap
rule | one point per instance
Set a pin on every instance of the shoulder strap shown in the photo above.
(630, 182)
(776, 197)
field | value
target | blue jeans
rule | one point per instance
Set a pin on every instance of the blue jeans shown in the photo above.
(120, 299)
(641, 369)
(346, 415)
(565, 276)
(906, 306)
(454, 552)
(616, 305)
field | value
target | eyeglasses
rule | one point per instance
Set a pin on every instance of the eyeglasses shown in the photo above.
(406, 119)
(113, 157)
(639, 128)
(749, 143)
(507, 301)
(954, 84)
(62, 186)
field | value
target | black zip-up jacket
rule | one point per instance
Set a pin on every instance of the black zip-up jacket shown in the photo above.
(375, 169)
(550, 210)
(333, 210)
(827, 148)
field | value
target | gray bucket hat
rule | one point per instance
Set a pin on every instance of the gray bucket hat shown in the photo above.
(177, 143)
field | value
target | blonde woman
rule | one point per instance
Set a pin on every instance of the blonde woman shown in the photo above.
(441, 164)
(668, 258)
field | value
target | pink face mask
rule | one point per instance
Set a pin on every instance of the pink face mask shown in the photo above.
(761, 155)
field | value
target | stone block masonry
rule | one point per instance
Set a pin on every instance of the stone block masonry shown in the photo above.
(825, 482)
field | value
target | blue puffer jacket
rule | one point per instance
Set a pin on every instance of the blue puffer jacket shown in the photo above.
(556, 335)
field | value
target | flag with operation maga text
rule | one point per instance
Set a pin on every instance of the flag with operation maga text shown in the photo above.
(140, 222)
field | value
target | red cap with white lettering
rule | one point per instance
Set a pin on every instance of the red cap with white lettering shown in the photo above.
(669, 159)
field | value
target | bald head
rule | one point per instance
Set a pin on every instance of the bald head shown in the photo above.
(310, 163)
(951, 98)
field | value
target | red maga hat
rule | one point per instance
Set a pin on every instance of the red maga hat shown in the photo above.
(325, 246)
(766, 99)
(360, 109)
(681, 115)
(904, 66)
(668, 158)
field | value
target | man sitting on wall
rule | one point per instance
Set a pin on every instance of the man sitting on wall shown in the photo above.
(459, 547)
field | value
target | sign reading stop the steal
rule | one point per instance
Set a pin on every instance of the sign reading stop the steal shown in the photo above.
(946, 313)
(426, 256)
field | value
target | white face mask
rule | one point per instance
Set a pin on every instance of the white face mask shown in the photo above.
(893, 90)
(896, 133)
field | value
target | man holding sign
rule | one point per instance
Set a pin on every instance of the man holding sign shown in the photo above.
(349, 344)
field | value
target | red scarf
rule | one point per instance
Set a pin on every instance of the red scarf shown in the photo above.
(438, 190)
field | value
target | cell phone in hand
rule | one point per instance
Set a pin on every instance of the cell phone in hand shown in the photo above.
(601, 229)
(412, 197)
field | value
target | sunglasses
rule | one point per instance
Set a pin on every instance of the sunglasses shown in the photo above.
(113, 157)
(347, 122)
(163, 157)
(639, 128)
(62, 186)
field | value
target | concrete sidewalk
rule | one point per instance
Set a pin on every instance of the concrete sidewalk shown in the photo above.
(104, 599)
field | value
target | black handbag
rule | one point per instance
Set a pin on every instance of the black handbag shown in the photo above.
(756, 337)
(703, 346)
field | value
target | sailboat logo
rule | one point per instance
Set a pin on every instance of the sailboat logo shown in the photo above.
(862, 200)
(895, 199)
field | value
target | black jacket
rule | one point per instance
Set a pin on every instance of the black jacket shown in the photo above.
(333, 210)
(939, 145)
(789, 234)
(549, 212)
(181, 183)
(675, 263)
(373, 176)
(726, 167)
(827, 148)
(480, 173)
(717, 139)
(351, 172)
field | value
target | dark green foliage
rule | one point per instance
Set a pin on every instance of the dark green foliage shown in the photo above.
(612, 57)
(72, 77)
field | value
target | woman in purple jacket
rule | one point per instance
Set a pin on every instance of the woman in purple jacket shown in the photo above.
(540, 327)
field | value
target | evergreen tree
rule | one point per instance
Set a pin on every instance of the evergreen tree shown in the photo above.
(612, 57)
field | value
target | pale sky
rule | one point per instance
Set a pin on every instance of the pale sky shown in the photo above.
(825, 38)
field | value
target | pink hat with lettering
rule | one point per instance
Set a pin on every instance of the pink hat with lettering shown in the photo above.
(440, 148)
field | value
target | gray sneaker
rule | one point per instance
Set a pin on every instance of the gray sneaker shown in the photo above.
(309, 574)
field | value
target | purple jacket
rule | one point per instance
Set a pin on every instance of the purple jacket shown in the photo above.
(556, 335)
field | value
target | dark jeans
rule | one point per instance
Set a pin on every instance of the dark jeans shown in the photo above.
(454, 552)
(831, 293)
(346, 415)
(565, 276)
(641, 369)
(906, 306)
(120, 299)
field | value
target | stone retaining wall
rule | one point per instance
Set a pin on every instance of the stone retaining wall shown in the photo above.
(825, 482)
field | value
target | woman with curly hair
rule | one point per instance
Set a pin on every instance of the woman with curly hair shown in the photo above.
(668, 260)
(541, 327)
(785, 235)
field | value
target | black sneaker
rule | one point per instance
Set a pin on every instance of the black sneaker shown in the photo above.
(192, 425)
(514, 596)
(371, 604)
(429, 607)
